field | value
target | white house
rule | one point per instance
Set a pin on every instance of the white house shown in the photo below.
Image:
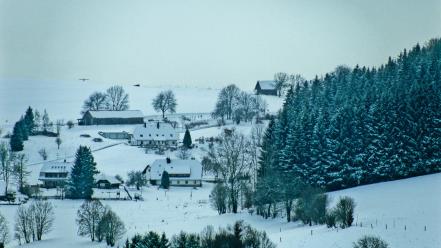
(155, 135)
(55, 173)
(181, 172)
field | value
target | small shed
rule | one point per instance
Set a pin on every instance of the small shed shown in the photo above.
(266, 87)
(107, 117)
(102, 181)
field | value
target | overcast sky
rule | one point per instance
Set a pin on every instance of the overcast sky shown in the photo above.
(204, 42)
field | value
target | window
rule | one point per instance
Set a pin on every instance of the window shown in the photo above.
(178, 182)
(141, 135)
(186, 182)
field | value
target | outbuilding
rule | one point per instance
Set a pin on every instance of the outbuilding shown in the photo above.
(266, 87)
(107, 117)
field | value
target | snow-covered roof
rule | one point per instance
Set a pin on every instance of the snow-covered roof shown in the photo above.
(104, 177)
(117, 114)
(192, 168)
(155, 131)
(267, 84)
(56, 167)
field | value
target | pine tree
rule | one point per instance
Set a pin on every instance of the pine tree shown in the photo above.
(187, 139)
(17, 137)
(82, 176)
(29, 120)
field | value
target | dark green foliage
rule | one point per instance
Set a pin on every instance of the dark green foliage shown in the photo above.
(187, 139)
(370, 242)
(358, 126)
(81, 180)
(19, 134)
(29, 121)
(239, 235)
(344, 211)
(165, 180)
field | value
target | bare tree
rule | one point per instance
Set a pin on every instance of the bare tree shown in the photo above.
(46, 122)
(117, 99)
(111, 228)
(6, 166)
(280, 78)
(43, 217)
(58, 141)
(23, 225)
(183, 153)
(296, 79)
(20, 170)
(59, 124)
(165, 102)
(136, 178)
(4, 231)
(88, 217)
(232, 161)
(226, 101)
(95, 102)
(254, 150)
(43, 153)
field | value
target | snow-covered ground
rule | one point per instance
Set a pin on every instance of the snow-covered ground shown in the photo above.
(64, 100)
(413, 203)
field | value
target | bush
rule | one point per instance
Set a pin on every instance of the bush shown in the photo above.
(218, 198)
(330, 219)
(370, 242)
(85, 135)
(97, 140)
(70, 124)
(110, 228)
(344, 211)
(165, 180)
(311, 207)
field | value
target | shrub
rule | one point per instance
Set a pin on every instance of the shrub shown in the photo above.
(344, 211)
(330, 219)
(311, 207)
(70, 124)
(218, 198)
(97, 140)
(43, 153)
(370, 242)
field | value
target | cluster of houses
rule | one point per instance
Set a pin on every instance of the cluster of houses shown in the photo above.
(181, 173)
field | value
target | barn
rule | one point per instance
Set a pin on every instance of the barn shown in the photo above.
(266, 87)
(107, 117)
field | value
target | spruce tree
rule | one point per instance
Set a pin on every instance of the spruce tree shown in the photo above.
(81, 180)
(29, 120)
(16, 141)
(187, 139)
(165, 180)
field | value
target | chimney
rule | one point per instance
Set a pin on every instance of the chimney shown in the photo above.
(168, 160)
(157, 125)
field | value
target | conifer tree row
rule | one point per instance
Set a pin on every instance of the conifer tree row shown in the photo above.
(358, 126)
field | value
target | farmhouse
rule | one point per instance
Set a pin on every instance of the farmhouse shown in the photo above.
(107, 117)
(266, 87)
(102, 181)
(155, 134)
(54, 174)
(181, 172)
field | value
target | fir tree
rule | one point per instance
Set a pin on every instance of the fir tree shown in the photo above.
(29, 120)
(165, 180)
(82, 176)
(187, 139)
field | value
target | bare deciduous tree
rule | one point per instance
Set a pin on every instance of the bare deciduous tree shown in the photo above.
(20, 170)
(43, 153)
(95, 102)
(88, 217)
(183, 153)
(43, 217)
(58, 141)
(117, 98)
(137, 179)
(4, 231)
(6, 166)
(231, 158)
(165, 102)
(24, 229)
(280, 78)
(111, 228)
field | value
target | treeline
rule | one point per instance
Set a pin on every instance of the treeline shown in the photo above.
(357, 126)
(240, 235)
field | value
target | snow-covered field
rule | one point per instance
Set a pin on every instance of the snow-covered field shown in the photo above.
(413, 203)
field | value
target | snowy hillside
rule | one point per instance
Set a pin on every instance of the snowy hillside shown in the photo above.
(64, 100)
(413, 203)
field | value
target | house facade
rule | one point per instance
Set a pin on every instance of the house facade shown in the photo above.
(106, 117)
(55, 174)
(184, 173)
(266, 87)
(155, 134)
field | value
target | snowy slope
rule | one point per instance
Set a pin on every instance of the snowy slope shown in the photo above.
(63, 100)
(412, 202)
